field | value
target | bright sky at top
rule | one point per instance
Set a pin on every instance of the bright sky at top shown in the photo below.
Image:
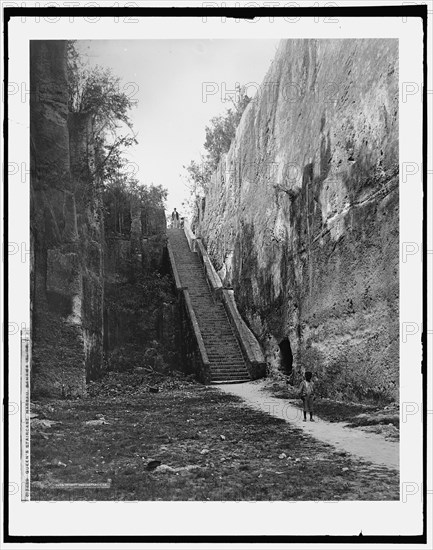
(167, 79)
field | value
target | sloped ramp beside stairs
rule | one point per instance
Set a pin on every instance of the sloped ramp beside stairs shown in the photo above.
(227, 364)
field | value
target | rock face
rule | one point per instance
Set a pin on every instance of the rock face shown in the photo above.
(301, 217)
(131, 256)
(56, 284)
(66, 234)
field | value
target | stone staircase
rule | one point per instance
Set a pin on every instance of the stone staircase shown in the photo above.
(227, 363)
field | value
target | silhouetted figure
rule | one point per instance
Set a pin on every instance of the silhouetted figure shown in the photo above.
(306, 390)
(175, 219)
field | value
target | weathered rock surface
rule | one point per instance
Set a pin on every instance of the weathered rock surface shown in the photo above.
(67, 233)
(56, 264)
(301, 217)
(138, 250)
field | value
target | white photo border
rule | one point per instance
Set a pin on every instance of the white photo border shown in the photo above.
(244, 519)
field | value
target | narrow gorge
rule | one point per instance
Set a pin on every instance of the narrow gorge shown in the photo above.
(300, 220)
(226, 330)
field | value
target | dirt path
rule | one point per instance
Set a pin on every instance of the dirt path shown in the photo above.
(369, 446)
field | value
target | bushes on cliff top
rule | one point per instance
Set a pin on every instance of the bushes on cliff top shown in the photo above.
(219, 135)
(97, 91)
(118, 195)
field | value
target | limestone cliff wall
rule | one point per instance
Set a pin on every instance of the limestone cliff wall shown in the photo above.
(301, 217)
(139, 251)
(66, 233)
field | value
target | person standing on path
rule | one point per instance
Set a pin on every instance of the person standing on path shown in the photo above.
(175, 219)
(306, 390)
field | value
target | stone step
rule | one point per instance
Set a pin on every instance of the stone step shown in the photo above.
(234, 381)
(229, 368)
(221, 360)
(241, 381)
(229, 376)
(227, 359)
(231, 359)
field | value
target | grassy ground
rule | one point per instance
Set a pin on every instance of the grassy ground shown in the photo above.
(209, 446)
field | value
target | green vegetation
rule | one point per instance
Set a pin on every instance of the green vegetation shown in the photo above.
(97, 92)
(118, 194)
(134, 311)
(219, 135)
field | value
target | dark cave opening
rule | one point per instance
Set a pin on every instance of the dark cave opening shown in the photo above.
(286, 356)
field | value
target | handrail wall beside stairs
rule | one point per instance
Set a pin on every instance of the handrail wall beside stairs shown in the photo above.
(199, 354)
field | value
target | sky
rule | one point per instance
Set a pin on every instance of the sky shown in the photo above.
(168, 80)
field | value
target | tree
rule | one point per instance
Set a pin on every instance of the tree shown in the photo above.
(222, 130)
(118, 193)
(219, 135)
(97, 91)
(198, 175)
